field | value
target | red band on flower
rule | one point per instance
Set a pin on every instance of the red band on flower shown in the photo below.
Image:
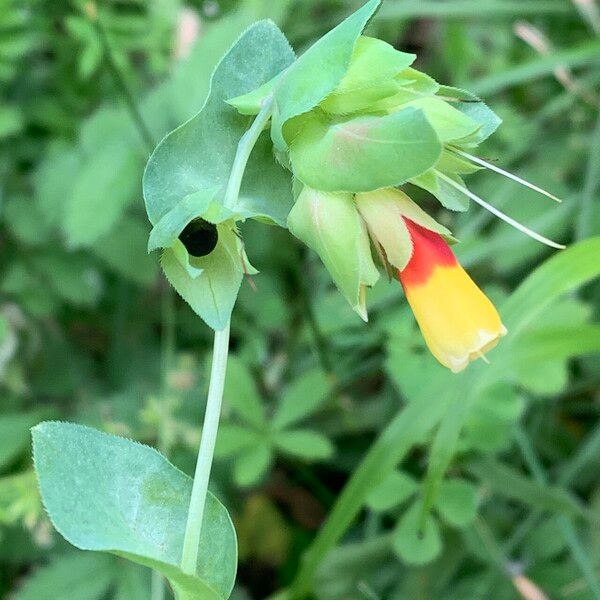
(429, 250)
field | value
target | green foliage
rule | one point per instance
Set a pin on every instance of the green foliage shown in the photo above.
(253, 439)
(108, 494)
(438, 487)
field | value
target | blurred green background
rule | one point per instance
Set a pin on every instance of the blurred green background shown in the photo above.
(90, 332)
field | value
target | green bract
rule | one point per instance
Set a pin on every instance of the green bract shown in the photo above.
(187, 175)
(351, 115)
(330, 225)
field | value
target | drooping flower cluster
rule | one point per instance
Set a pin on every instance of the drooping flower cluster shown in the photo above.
(385, 124)
(349, 122)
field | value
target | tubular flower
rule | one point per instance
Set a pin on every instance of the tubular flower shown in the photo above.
(457, 320)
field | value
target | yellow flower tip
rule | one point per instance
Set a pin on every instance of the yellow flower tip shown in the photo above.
(457, 320)
(486, 341)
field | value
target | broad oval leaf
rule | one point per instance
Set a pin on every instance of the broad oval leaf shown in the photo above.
(364, 154)
(109, 494)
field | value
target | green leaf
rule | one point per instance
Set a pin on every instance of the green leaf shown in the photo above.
(565, 271)
(19, 499)
(364, 153)
(241, 395)
(76, 576)
(318, 71)
(509, 483)
(233, 439)
(132, 582)
(14, 434)
(457, 502)
(11, 120)
(53, 181)
(395, 489)
(26, 221)
(109, 494)
(199, 154)
(304, 443)
(123, 250)
(417, 541)
(252, 466)
(103, 188)
(301, 399)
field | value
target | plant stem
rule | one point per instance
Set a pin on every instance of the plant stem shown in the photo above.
(193, 528)
(119, 80)
(191, 541)
(157, 589)
(245, 145)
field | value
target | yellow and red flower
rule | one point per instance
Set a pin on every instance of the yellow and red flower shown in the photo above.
(457, 320)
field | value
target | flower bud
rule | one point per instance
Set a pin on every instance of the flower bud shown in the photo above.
(330, 224)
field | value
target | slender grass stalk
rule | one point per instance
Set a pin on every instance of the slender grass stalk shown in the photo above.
(467, 9)
(592, 176)
(499, 213)
(578, 552)
(121, 84)
(582, 54)
(193, 528)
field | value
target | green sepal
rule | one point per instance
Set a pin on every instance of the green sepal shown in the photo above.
(365, 153)
(370, 77)
(359, 99)
(449, 124)
(451, 163)
(412, 85)
(318, 71)
(474, 108)
(448, 195)
(330, 224)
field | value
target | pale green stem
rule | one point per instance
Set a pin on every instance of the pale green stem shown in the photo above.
(158, 586)
(191, 540)
(245, 145)
(193, 528)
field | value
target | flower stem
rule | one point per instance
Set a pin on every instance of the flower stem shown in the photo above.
(245, 146)
(193, 528)
(191, 540)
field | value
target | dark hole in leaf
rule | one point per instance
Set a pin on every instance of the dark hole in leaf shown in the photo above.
(199, 237)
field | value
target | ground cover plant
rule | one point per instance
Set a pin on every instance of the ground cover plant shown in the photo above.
(288, 157)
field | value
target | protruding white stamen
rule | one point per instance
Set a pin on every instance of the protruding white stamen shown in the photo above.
(500, 214)
(516, 178)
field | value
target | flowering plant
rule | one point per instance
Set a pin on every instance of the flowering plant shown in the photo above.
(322, 145)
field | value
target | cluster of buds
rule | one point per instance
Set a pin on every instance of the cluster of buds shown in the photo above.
(349, 161)
(352, 121)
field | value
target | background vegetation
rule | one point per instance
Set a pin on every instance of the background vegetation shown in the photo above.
(508, 485)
